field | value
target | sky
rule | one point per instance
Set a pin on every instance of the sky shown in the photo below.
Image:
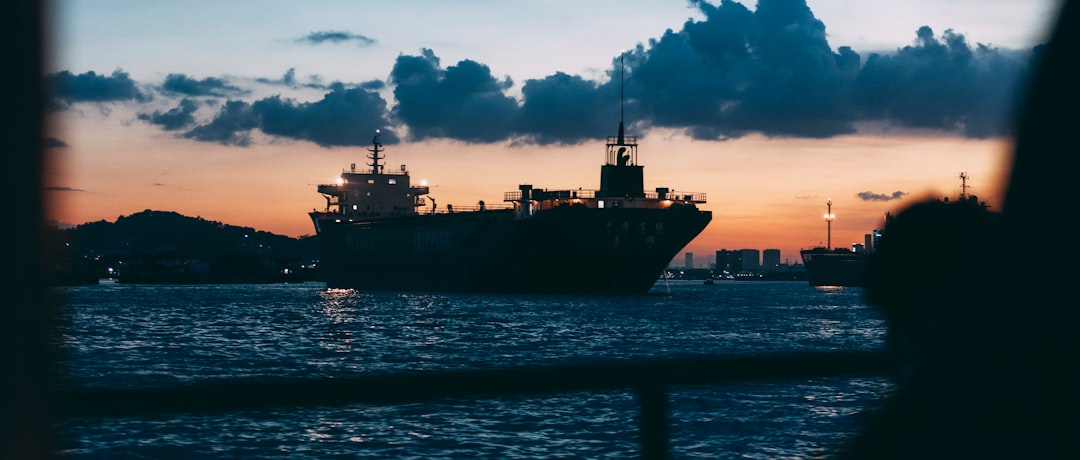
(235, 111)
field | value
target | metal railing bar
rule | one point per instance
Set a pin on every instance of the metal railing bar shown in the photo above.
(235, 394)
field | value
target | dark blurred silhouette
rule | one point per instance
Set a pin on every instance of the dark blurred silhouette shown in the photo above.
(26, 357)
(987, 328)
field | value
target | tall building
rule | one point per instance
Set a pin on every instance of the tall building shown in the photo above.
(728, 261)
(751, 260)
(770, 260)
(689, 260)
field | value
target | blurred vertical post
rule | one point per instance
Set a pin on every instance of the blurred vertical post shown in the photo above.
(25, 317)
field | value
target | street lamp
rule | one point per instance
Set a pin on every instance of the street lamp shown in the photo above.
(829, 216)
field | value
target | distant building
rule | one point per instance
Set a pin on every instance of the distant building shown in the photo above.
(770, 260)
(751, 260)
(689, 260)
(728, 261)
(875, 238)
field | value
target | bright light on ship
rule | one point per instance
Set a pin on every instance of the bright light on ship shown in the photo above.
(340, 180)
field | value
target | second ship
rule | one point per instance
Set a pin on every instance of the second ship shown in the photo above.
(829, 266)
(617, 239)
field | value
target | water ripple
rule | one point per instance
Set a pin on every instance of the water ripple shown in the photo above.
(136, 336)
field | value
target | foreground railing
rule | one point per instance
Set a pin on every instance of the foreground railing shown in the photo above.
(652, 380)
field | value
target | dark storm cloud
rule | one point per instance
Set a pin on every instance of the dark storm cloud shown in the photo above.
(871, 196)
(65, 88)
(566, 109)
(231, 126)
(334, 36)
(738, 71)
(344, 116)
(942, 83)
(179, 117)
(210, 86)
(770, 71)
(463, 102)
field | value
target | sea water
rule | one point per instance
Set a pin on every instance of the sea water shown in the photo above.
(130, 336)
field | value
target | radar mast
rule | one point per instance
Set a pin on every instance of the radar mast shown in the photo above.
(374, 156)
(621, 175)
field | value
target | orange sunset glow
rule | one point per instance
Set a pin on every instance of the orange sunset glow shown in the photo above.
(766, 185)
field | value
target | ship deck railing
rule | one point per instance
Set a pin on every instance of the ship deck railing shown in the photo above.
(454, 209)
(583, 194)
(449, 209)
(369, 171)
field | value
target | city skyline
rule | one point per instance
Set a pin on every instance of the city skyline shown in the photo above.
(158, 107)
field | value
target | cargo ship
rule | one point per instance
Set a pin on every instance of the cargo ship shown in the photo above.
(378, 233)
(829, 266)
(835, 266)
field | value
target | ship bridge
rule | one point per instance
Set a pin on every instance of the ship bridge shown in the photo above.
(621, 175)
(372, 193)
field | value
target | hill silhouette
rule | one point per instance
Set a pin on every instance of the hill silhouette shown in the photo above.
(167, 247)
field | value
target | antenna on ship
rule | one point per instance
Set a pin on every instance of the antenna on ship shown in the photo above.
(376, 144)
(622, 94)
(621, 175)
(963, 186)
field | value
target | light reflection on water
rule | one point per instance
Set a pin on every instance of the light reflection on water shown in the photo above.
(122, 336)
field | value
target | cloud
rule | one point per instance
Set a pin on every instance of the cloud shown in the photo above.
(288, 80)
(54, 143)
(769, 71)
(63, 189)
(871, 196)
(182, 84)
(566, 109)
(231, 126)
(65, 88)
(735, 72)
(333, 36)
(463, 102)
(344, 116)
(179, 117)
(942, 83)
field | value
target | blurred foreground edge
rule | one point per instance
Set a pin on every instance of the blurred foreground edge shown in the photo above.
(1040, 402)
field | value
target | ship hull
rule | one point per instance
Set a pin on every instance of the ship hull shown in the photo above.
(565, 250)
(834, 268)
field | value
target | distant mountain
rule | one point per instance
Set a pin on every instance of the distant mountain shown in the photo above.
(167, 247)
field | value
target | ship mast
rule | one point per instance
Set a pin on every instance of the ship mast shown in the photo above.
(622, 95)
(375, 167)
(620, 140)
